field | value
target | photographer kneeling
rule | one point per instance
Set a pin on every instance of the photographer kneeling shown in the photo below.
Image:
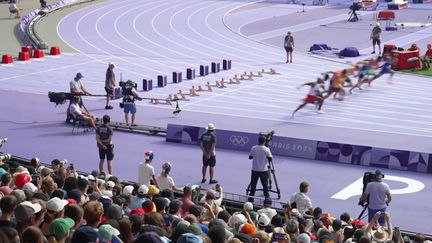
(129, 95)
(261, 156)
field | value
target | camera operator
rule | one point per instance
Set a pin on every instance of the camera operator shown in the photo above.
(260, 156)
(378, 195)
(129, 95)
(104, 143)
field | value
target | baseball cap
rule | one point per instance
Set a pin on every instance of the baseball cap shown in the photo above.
(247, 229)
(303, 238)
(127, 190)
(106, 202)
(26, 209)
(84, 234)
(75, 194)
(21, 179)
(210, 127)
(109, 184)
(153, 190)
(56, 204)
(46, 171)
(248, 206)
(189, 238)
(134, 211)
(378, 173)
(143, 189)
(148, 155)
(78, 76)
(60, 226)
(106, 233)
(30, 187)
(263, 220)
(148, 206)
(19, 194)
(114, 212)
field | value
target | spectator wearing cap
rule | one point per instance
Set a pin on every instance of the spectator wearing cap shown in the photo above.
(55, 209)
(208, 147)
(303, 238)
(8, 205)
(260, 156)
(109, 186)
(24, 215)
(21, 179)
(191, 238)
(165, 181)
(267, 209)
(148, 206)
(378, 195)
(263, 221)
(77, 87)
(39, 217)
(137, 201)
(57, 164)
(32, 234)
(186, 200)
(301, 201)
(146, 173)
(110, 84)
(59, 230)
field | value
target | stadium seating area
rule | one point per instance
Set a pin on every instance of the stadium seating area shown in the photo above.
(55, 203)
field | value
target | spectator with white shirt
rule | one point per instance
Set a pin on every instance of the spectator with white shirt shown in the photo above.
(267, 208)
(165, 181)
(302, 202)
(80, 114)
(146, 172)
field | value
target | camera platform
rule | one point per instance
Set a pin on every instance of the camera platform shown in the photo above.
(150, 130)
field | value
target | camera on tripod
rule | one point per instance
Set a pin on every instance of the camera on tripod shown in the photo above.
(268, 136)
(355, 7)
(368, 177)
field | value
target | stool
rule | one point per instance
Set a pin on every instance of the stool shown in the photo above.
(7, 59)
(204, 70)
(147, 84)
(162, 80)
(23, 56)
(38, 53)
(190, 73)
(55, 51)
(215, 67)
(177, 77)
(226, 64)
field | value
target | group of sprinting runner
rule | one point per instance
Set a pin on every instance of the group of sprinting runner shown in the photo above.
(365, 71)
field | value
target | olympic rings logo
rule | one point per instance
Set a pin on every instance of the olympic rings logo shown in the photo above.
(239, 140)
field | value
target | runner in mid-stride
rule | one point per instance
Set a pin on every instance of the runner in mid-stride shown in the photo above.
(314, 95)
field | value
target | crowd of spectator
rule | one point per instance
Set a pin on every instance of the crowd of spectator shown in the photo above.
(54, 204)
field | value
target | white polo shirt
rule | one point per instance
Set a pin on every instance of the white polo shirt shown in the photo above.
(260, 154)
